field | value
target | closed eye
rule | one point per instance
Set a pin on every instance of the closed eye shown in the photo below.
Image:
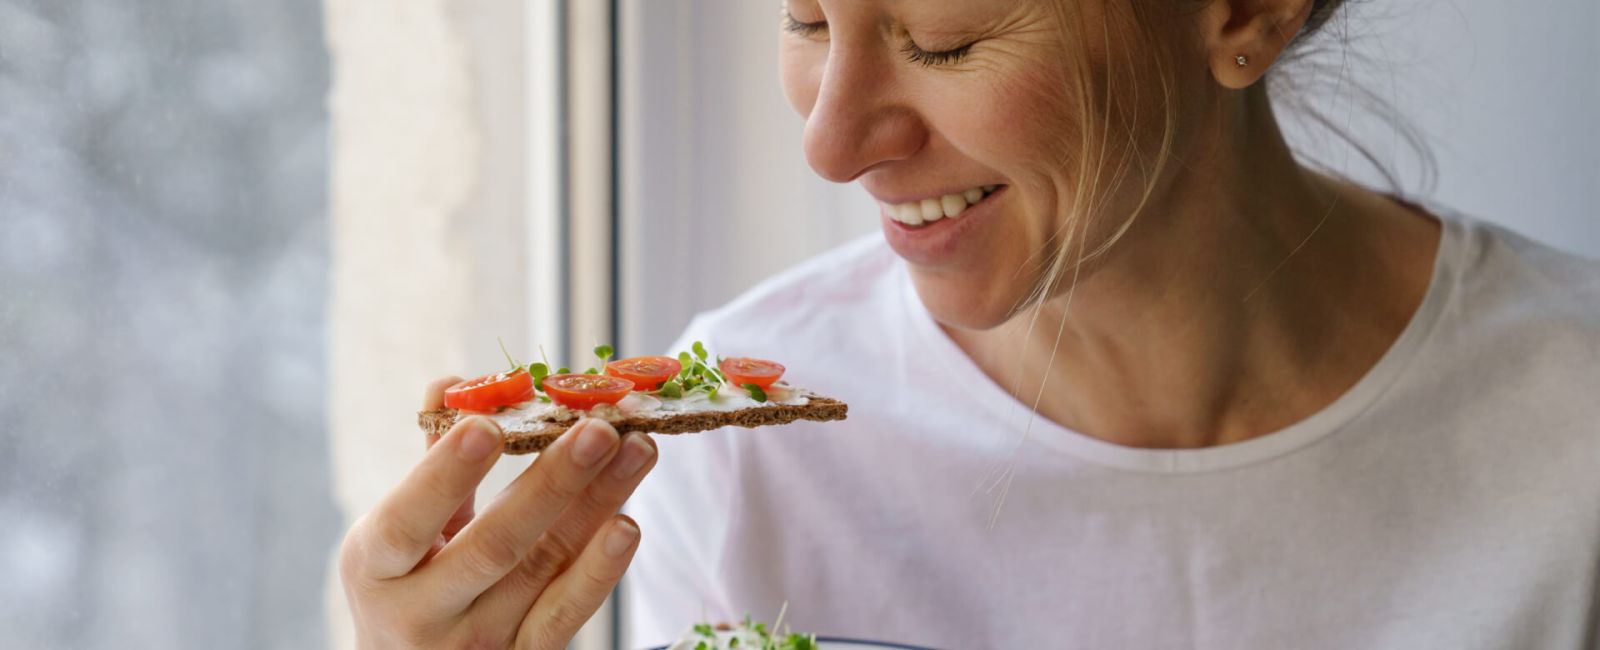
(923, 57)
(809, 30)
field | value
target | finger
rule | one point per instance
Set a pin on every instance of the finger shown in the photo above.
(498, 538)
(507, 601)
(462, 515)
(578, 592)
(394, 537)
(433, 398)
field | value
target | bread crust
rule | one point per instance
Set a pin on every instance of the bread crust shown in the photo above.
(817, 408)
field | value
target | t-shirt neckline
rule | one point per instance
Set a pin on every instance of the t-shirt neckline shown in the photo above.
(1014, 416)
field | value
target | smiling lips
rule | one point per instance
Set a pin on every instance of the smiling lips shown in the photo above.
(926, 211)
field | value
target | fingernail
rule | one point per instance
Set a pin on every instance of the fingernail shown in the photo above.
(636, 451)
(479, 440)
(621, 538)
(594, 441)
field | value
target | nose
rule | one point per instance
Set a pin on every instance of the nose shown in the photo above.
(855, 123)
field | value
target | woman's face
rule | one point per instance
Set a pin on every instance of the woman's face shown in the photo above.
(956, 116)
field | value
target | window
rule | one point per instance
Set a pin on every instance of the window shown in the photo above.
(237, 238)
(164, 256)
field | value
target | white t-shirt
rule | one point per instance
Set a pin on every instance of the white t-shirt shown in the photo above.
(1451, 499)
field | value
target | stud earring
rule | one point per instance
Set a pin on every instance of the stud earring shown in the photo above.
(1242, 60)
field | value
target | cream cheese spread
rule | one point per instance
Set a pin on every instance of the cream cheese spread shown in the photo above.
(534, 415)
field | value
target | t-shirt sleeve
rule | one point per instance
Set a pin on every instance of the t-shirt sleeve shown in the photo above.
(682, 512)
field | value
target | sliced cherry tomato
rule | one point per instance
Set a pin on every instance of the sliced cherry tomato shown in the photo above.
(490, 392)
(583, 392)
(646, 373)
(744, 370)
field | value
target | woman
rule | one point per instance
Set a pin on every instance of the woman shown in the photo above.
(1122, 373)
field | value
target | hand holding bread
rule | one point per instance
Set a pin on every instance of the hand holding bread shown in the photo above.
(423, 570)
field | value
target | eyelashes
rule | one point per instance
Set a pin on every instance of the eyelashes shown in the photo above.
(794, 26)
(925, 58)
(911, 51)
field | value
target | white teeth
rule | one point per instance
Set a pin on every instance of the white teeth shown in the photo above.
(951, 206)
(909, 214)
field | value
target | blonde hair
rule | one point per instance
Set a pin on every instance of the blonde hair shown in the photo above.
(1112, 138)
(1110, 144)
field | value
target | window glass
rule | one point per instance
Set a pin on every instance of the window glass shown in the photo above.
(163, 274)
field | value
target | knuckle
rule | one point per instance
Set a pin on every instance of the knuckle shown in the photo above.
(413, 634)
(351, 548)
(398, 629)
(559, 547)
(566, 615)
(493, 552)
(555, 482)
(482, 639)
(394, 537)
(356, 550)
(547, 559)
(602, 575)
(525, 580)
(564, 486)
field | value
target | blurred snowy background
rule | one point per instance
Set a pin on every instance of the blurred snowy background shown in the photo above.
(164, 479)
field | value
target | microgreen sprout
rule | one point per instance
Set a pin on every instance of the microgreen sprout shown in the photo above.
(758, 635)
(672, 389)
(756, 393)
(514, 365)
(539, 372)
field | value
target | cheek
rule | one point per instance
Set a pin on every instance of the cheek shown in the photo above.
(1024, 128)
(800, 74)
(1030, 121)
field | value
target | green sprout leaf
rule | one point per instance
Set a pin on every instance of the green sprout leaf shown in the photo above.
(672, 390)
(704, 629)
(564, 371)
(699, 350)
(604, 352)
(756, 393)
(539, 372)
(591, 371)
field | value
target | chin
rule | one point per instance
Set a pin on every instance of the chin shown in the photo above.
(970, 303)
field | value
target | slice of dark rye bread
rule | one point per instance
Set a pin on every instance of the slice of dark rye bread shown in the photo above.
(817, 408)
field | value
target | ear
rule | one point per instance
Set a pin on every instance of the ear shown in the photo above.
(1252, 31)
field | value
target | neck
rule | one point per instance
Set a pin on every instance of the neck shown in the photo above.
(1242, 301)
